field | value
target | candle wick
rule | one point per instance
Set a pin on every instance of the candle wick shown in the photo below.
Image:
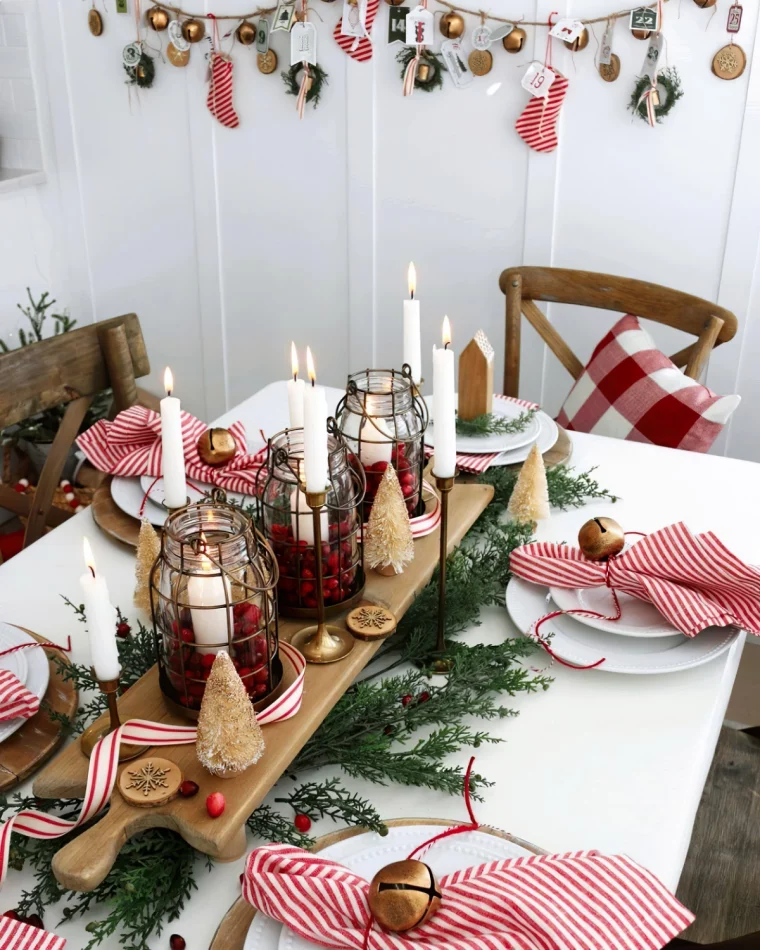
(92, 569)
(411, 294)
(168, 392)
(313, 383)
(445, 346)
(295, 377)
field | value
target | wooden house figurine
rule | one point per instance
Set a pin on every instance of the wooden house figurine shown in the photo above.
(476, 378)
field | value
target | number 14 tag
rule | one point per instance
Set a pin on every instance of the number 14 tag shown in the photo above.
(537, 79)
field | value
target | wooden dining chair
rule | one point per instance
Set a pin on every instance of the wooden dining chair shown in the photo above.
(69, 368)
(523, 286)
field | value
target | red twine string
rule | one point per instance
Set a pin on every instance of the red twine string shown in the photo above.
(46, 645)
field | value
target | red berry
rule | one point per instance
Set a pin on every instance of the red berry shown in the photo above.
(379, 466)
(187, 635)
(424, 697)
(207, 659)
(34, 920)
(388, 730)
(260, 689)
(176, 942)
(302, 823)
(123, 629)
(405, 700)
(407, 490)
(215, 804)
(261, 675)
(11, 915)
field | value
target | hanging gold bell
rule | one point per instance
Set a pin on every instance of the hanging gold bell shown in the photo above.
(579, 43)
(246, 33)
(423, 72)
(514, 41)
(217, 446)
(158, 18)
(404, 895)
(452, 25)
(193, 30)
(601, 538)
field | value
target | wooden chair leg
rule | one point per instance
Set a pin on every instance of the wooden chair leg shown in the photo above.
(512, 337)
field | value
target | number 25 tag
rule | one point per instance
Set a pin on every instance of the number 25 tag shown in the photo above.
(537, 79)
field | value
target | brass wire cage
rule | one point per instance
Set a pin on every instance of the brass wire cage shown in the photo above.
(214, 586)
(287, 523)
(383, 419)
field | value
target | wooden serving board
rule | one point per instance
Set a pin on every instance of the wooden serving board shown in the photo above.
(111, 518)
(84, 862)
(238, 919)
(40, 736)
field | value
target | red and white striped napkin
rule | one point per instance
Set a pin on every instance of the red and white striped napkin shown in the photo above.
(16, 701)
(477, 464)
(577, 901)
(131, 446)
(693, 580)
(17, 936)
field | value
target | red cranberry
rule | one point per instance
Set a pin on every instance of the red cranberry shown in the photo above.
(215, 804)
(302, 823)
(176, 942)
(424, 697)
(34, 920)
(405, 700)
(12, 915)
(187, 635)
(123, 629)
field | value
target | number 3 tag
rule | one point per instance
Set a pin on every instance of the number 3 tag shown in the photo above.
(537, 79)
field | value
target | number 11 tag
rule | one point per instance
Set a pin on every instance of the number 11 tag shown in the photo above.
(303, 44)
(537, 79)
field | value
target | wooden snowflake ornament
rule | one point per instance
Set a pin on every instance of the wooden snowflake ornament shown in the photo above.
(149, 782)
(370, 622)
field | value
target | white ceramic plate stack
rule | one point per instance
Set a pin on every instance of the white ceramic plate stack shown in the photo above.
(129, 494)
(29, 666)
(514, 447)
(365, 854)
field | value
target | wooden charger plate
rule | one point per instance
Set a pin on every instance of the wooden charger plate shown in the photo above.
(39, 737)
(238, 919)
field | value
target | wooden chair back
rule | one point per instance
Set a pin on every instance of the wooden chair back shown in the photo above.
(522, 286)
(70, 368)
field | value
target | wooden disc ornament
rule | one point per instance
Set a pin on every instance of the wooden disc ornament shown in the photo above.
(601, 538)
(158, 18)
(452, 25)
(217, 447)
(193, 30)
(514, 41)
(404, 895)
(177, 57)
(246, 33)
(149, 782)
(95, 22)
(480, 62)
(267, 62)
(610, 71)
(579, 43)
(729, 62)
(705, 3)
(394, 3)
(371, 622)
(641, 34)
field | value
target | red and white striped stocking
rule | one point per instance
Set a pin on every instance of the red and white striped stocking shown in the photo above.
(359, 48)
(219, 99)
(538, 123)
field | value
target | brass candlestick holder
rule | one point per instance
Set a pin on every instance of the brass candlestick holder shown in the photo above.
(321, 643)
(440, 662)
(92, 735)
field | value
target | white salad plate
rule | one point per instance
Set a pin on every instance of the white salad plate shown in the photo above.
(638, 618)
(154, 487)
(581, 645)
(32, 664)
(499, 442)
(128, 494)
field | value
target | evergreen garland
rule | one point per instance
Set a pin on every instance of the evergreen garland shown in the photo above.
(293, 85)
(407, 53)
(670, 81)
(370, 733)
(493, 424)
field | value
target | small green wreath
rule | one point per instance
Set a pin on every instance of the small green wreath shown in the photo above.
(293, 84)
(435, 80)
(142, 73)
(669, 82)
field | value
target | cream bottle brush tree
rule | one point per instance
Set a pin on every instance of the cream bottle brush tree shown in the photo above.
(530, 499)
(389, 543)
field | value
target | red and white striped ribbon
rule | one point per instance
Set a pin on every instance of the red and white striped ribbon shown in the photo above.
(301, 100)
(104, 763)
(16, 701)
(411, 74)
(15, 935)
(582, 900)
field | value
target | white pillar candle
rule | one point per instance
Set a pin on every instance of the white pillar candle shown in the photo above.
(295, 392)
(101, 620)
(172, 454)
(444, 411)
(208, 590)
(412, 343)
(302, 520)
(314, 431)
(377, 438)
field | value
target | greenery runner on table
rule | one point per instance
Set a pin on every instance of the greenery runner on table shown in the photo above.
(491, 423)
(371, 732)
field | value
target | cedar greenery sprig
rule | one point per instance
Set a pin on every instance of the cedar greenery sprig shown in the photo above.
(407, 53)
(330, 800)
(491, 423)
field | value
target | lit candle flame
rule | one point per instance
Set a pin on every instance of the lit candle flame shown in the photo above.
(411, 277)
(293, 361)
(168, 381)
(89, 560)
(446, 332)
(310, 366)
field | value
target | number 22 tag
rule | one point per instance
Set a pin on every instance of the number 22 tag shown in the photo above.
(537, 79)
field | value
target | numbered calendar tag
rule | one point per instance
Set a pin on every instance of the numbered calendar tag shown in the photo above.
(262, 37)
(500, 31)
(643, 19)
(652, 58)
(121, 6)
(397, 24)
(456, 63)
(177, 37)
(482, 37)
(354, 18)
(734, 18)
(131, 54)
(419, 27)
(566, 29)
(284, 17)
(605, 50)
(303, 44)
(537, 79)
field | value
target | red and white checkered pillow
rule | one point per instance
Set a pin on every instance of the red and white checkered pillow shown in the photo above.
(631, 390)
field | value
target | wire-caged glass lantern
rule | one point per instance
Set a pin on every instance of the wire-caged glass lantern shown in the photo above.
(287, 523)
(214, 587)
(383, 419)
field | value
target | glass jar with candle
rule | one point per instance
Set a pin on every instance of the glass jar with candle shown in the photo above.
(383, 419)
(288, 524)
(213, 588)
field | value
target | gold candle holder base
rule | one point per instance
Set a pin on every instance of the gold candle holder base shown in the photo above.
(94, 733)
(321, 643)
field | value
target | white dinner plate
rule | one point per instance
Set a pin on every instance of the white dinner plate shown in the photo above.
(581, 645)
(365, 854)
(128, 494)
(548, 433)
(638, 618)
(479, 445)
(195, 490)
(35, 667)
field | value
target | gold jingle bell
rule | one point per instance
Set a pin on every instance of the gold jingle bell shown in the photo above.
(601, 538)
(514, 41)
(452, 25)
(403, 895)
(246, 33)
(158, 18)
(193, 30)
(423, 73)
(217, 446)
(579, 43)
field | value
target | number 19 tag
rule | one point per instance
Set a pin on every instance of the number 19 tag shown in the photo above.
(537, 79)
